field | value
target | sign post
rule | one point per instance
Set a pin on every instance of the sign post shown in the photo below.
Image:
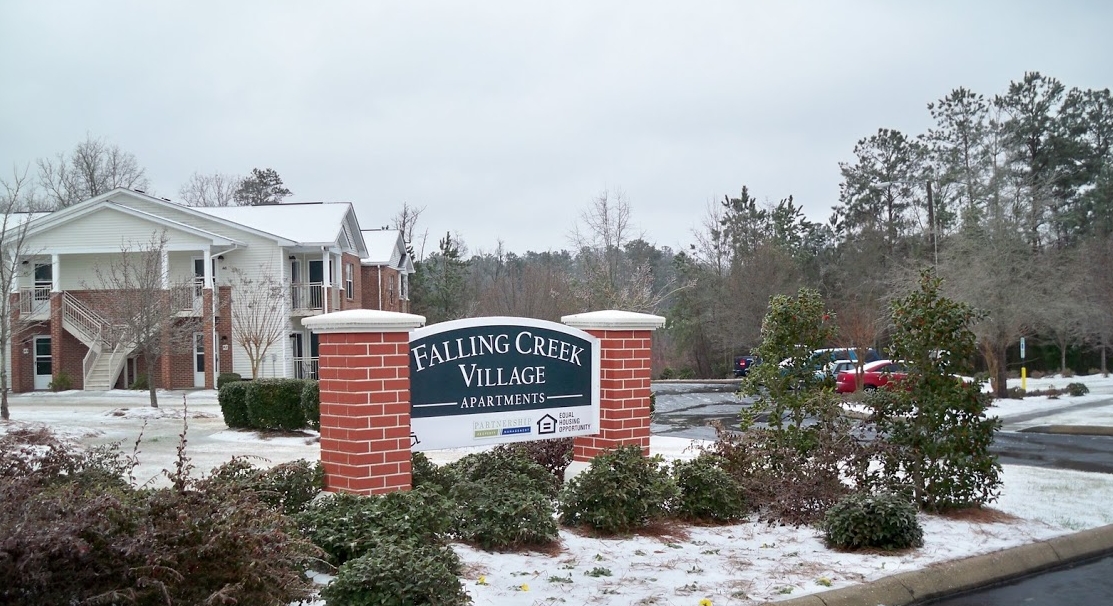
(1023, 368)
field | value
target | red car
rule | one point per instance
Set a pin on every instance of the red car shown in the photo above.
(874, 375)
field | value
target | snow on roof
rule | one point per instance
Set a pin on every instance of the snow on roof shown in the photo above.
(382, 246)
(317, 223)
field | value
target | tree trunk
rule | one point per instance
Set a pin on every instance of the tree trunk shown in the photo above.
(1104, 368)
(1063, 361)
(1002, 387)
(150, 381)
(4, 391)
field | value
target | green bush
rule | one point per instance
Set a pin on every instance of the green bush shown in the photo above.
(1077, 389)
(275, 404)
(424, 473)
(61, 382)
(348, 526)
(311, 403)
(1016, 393)
(622, 491)
(498, 513)
(512, 468)
(140, 383)
(400, 573)
(233, 405)
(227, 377)
(884, 521)
(707, 492)
(503, 499)
(287, 487)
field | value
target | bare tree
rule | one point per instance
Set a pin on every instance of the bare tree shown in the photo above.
(608, 278)
(216, 189)
(259, 314)
(406, 222)
(94, 167)
(142, 306)
(17, 197)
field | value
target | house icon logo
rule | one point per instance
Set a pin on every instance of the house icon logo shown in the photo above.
(546, 424)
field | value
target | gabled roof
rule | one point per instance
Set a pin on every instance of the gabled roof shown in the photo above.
(58, 218)
(386, 247)
(65, 215)
(310, 224)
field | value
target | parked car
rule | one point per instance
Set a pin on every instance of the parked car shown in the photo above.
(834, 368)
(874, 375)
(743, 364)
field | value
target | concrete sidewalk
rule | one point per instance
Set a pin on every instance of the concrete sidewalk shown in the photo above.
(959, 576)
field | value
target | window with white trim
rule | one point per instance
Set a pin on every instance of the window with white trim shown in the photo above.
(349, 284)
(391, 289)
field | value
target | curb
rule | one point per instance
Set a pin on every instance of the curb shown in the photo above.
(959, 576)
(1072, 430)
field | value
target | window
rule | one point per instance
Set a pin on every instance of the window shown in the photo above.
(349, 285)
(391, 290)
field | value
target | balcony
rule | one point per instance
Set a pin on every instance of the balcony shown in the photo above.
(312, 298)
(34, 303)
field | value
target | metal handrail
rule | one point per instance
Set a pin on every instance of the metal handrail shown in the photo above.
(85, 319)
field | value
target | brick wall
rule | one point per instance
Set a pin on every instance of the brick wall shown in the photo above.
(624, 393)
(376, 282)
(356, 302)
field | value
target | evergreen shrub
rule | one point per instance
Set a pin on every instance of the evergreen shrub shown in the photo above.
(621, 491)
(348, 526)
(707, 492)
(884, 521)
(233, 405)
(400, 573)
(554, 455)
(287, 487)
(227, 377)
(1077, 389)
(275, 404)
(311, 403)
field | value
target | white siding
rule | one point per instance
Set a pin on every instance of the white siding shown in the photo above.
(107, 230)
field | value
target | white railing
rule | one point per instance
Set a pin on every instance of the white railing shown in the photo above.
(305, 368)
(85, 320)
(34, 300)
(311, 296)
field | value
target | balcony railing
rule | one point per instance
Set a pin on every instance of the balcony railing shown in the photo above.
(33, 301)
(309, 297)
(305, 368)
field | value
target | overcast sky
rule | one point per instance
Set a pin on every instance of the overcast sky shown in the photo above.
(506, 120)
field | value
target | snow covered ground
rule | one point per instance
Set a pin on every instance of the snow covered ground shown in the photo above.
(739, 564)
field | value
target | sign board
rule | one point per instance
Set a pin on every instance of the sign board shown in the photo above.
(1021, 348)
(484, 381)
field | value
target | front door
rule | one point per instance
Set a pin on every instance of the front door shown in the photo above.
(314, 354)
(316, 281)
(44, 368)
(198, 359)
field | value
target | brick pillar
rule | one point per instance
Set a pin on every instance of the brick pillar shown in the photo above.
(625, 360)
(364, 373)
(56, 334)
(207, 332)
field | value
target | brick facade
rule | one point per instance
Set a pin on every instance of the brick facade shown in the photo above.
(625, 360)
(365, 409)
(377, 282)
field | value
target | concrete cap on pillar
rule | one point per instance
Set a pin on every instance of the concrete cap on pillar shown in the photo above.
(613, 319)
(363, 320)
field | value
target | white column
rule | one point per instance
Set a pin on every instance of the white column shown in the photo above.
(326, 260)
(165, 269)
(55, 274)
(208, 268)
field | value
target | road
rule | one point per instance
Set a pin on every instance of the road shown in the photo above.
(1090, 584)
(687, 410)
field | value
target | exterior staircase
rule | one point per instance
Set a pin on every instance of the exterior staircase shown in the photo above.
(105, 360)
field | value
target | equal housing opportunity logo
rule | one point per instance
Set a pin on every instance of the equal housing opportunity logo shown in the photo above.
(491, 380)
